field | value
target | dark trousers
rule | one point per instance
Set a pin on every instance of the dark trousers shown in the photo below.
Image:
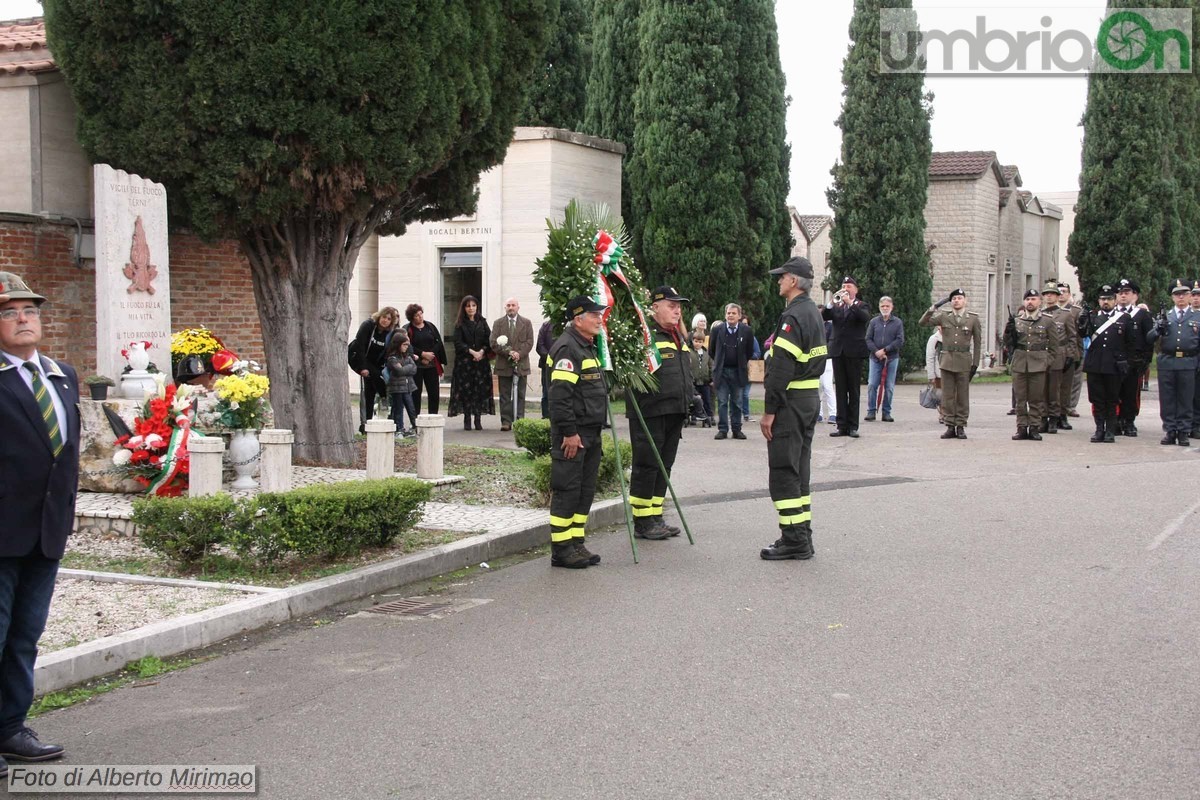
(369, 389)
(426, 378)
(572, 485)
(1196, 403)
(1103, 393)
(506, 398)
(789, 457)
(401, 402)
(26, 586)
(705, 391)
(729, 400)
(647, 484)
(545, 392)
(1130, 401)
(1176, 392)
(847, 376)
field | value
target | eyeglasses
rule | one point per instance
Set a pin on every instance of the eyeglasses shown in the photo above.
(10, 314)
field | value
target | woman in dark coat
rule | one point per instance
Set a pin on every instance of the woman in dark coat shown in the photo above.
(430, 352)
(471, 384)
(372, 340)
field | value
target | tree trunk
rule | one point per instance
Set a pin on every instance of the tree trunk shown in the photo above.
(301, 270)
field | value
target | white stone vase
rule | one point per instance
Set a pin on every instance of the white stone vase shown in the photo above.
(244, 449)
(138, 384)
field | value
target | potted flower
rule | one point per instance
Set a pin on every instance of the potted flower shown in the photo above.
(98, 384)
(243, 406)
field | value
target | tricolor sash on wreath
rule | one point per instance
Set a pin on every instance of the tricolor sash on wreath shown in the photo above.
(608, 263)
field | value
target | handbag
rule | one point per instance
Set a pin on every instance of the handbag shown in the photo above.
(931, 397)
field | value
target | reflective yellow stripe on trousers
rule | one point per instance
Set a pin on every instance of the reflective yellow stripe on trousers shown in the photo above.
(795, 510)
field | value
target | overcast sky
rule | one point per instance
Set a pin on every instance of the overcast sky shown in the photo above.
(1032, 122)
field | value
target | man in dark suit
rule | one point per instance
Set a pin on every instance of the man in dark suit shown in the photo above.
(39, 472)
(731, 345)
(848, 349)
(512, 359)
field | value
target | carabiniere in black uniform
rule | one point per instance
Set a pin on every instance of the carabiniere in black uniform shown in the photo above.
(664, 411)
(1107, 360)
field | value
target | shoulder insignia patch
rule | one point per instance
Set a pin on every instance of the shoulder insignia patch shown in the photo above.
(565, 364)
(785, 327)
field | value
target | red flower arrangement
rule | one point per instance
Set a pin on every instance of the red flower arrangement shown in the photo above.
(156, 453)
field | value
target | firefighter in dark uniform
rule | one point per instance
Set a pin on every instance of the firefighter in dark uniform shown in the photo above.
(1178, 337)
(1032, 340)
(792, 403)
(578, 407)
(1058, 318)
(664, 411)
(1131, 384)
(1107, 360)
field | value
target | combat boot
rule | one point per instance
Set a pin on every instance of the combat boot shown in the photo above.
(950, 433)
(1109, 430)
(1044, 427)
(1131, 430)
(646, 528)
(960, 432)
(593, 558)
(1034, 435)
(1051, 425)
(1022, 433)
(1063, 425)
(1182, 439)
(671, 529)
(1169, 438)
(567, 554)
(1098, 436)
(799, 548)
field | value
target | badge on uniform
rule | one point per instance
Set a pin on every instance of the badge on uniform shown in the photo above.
(565, 364)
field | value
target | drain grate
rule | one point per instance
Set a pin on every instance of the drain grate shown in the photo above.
(409, 607)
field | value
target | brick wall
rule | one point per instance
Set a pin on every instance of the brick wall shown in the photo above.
(210, 285)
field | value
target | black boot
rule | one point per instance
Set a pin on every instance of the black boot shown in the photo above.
(1118, 427)
(1022, 433)
(1063, 425)
(646, 528)
(1051, 424)
(960, 432)
(1169, 438)
(1131, 429)
(466, 422)
(593, 558)
(797, 546)
(567, 554)
(1098, 436)
(478, 424)
(1033, 434)
(1181, 439)
(1044, 427)
(950, 433)
(1109, 430)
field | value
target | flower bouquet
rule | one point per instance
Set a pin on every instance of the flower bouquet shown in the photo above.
(155, 452)
(241, 397)
(193, 342)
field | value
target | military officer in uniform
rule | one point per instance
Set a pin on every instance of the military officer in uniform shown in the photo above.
(1106, 361)
(1073, 377)
(1178, 337)
(791, 405)
(578, 407)
(1196, 390)
(664, 411)
(1033, 341)
(1130, 404)
(961, 339)
(1058, 365)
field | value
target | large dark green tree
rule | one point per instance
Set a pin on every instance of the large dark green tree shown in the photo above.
(881, 181)
(1185, 107)
(611, 84)
(685, 173)
(1137, 208)
(558, 93)
(300, 129)
(761, 137)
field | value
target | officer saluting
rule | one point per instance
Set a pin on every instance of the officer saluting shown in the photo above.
(961, 337)
(1034, 343)
(1059, 317)
(1107, 360)
(791, 405)
(578, 406)
(1178, 337)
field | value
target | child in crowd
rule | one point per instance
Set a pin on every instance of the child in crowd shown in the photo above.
(401, 367)
(702, 375)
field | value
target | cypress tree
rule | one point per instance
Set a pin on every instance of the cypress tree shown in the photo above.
(685, 175)
(761, 122)
(881, 182)
(1185, 107)
(558, 93)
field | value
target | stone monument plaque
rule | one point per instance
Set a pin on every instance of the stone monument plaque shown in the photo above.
(133, 279)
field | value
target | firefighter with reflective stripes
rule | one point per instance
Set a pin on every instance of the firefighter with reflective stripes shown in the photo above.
(792, 403)
(664, 411)
(578, 406)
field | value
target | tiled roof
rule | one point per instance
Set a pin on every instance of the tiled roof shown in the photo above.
(813, 224)
(1011, 174)
(963, 164)
(23, 47)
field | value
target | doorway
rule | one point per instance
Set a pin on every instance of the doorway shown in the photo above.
(462, 275)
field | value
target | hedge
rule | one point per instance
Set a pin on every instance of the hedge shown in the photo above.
(533, 435)
(606, 479)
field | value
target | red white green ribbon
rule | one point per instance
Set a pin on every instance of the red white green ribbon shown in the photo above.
(176, 457)
(608, 263)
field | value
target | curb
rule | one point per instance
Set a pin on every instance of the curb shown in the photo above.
(74, 665)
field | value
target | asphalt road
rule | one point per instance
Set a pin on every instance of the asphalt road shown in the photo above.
(983, 619)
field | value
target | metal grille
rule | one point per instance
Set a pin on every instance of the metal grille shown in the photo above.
(409, 607)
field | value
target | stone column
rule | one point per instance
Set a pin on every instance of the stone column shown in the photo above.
(430, 430)
(275, 468)
(205, 473)
(381, 448)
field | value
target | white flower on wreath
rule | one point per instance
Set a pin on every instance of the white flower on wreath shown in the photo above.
(153, 439)
(121, 457)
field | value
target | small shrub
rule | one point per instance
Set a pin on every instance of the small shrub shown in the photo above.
(541, 478)
(533, 435)
(606, 479)
(183, 528)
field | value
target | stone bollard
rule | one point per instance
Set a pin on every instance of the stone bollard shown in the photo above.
(381, 448)
(204, 473)
(430, 431)
(275, 468)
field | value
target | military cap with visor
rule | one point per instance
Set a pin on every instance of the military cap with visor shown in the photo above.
(1106, 291)
(1181, 285)
(1126, 285)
